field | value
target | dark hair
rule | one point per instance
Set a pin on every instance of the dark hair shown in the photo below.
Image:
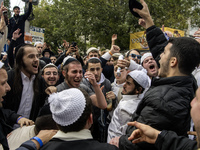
(131, 51)
(81, 122)
(17, 85)
(93, 61)
(45, 122)
(187, 52)
(137, 85)
(66, 67)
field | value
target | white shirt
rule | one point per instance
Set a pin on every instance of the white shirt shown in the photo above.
(27, 96)
(20, 135)
(122, 114)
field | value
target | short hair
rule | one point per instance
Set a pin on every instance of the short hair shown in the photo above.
(93, 60)
(66, 67)
(187, 52)
(81, 122)
(131, 51)
(45, 122)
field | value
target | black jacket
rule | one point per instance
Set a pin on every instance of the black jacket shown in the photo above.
(166, 105)
(168, 140)
(6, 116)
(16, 22)
(88, 144)
(12, 101)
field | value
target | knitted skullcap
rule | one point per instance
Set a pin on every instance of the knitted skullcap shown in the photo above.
(68, 60)
(92, 49)
(145, 56)
(67, 106)
(95, 58)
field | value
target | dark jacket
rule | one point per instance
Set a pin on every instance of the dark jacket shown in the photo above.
(89, 144)
(6, 116)
(168, 140)
(16, 22)
(12, 101)
(166, 105)
(99, 127)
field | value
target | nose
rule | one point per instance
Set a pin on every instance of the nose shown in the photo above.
(7, 87)
(51, 75)
(161, 55)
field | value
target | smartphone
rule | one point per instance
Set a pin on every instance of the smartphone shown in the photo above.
(74, 45)
(5, 14)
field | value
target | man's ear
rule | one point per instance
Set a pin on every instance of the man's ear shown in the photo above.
(139, 90)
(173, 61)
(64, 73)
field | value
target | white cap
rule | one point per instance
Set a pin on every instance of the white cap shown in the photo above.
(36, 43)
(145, 56)
(92, 49)
(140, 77)
(68, 59)
(67, 106)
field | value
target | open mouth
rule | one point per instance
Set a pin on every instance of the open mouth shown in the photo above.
(51, 79)
(35, 66)
(152, 67)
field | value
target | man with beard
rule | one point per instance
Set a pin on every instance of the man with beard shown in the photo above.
(50, 74)
(27, 87)
(72, 71)
(136, 82)
(7, 116)
(166, 105)
(93, 66)
(168, 140)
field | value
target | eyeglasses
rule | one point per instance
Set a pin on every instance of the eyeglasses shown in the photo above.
(134, 55)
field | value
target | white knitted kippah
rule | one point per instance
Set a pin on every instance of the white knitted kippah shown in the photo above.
(67, 106)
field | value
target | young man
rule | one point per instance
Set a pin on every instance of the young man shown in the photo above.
(18, 21)
(168, 140)
(94, 66)
(27, 87)
(165, 105)
(134, 55)
(72, 71)
(136, 82)
(74, 120)
(50, 74)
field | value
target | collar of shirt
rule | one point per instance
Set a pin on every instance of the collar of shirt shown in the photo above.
(72, 136)
(25, 78)
(130, 97)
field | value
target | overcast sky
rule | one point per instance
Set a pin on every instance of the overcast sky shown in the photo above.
(19, 3)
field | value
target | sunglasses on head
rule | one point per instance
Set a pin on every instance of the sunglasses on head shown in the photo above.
(134, 55)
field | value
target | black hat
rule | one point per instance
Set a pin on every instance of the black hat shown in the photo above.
(135, 4)
(16, 7)
(48, 50)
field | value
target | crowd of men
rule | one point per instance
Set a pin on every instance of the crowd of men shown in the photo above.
(101, 101)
